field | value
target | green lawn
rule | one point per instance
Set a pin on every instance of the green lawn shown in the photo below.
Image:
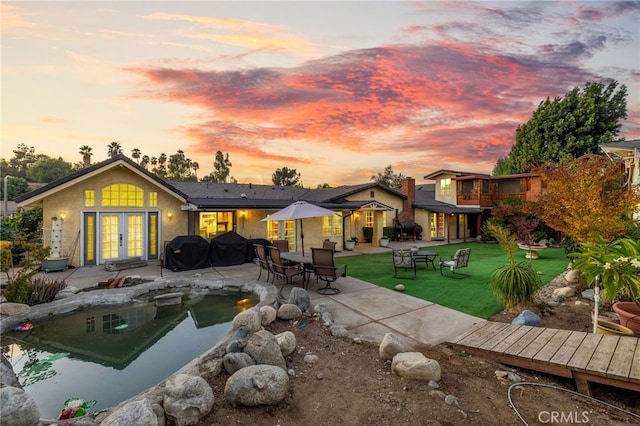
(471, 295)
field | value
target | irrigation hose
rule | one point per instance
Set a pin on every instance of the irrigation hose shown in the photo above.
(565, 390)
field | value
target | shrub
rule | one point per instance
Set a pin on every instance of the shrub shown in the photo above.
(389, 232)
(516, 282)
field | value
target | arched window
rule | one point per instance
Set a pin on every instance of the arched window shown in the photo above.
(122, 195)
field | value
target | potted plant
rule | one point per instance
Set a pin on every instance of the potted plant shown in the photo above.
(618, 265)
(350, 244)
(384, 242)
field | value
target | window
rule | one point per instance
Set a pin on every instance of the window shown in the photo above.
(122, 195)
(368, 219)
(153, 199)
(372, 194)
(332, 225)
(89, 198)
(214, 223)
(445, 186)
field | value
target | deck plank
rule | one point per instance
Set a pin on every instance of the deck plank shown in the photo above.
(619, 366)
(524, 341)
(489, 344)
(634, 374)
(551, 347)
(583, 354)
(534, 347)
(483, 334)
(512, 338)
(601, 358)
(567, 350)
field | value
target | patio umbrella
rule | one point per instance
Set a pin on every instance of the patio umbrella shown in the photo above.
(300, 210)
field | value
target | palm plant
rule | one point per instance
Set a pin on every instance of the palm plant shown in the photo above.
(516, 282)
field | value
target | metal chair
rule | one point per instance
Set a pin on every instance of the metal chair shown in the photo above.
(403, 259)
(329, 245)
(284, 270)
(282, 245)
(263, 260)
(325, 269)
(459, 260)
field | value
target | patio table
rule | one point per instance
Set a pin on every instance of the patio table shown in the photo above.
(428, 256)
(304, 260)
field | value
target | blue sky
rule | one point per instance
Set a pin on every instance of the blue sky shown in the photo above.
(336, 90)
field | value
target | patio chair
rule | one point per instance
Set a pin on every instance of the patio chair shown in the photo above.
(329, 245)
(282, 245)
(325, 269)
(403, 259)
(459, 260)
(263, 260)
(283, 270)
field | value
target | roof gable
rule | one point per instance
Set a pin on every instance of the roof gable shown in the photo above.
(94, 170)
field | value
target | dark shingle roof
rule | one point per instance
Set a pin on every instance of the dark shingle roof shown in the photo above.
(426, 199)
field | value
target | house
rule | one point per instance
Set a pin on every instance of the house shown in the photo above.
(116, 209)
(629, 153)
(457, 203)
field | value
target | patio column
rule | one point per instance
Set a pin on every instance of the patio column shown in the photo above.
(377, 228)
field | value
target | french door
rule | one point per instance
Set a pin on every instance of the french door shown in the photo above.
(122, 236)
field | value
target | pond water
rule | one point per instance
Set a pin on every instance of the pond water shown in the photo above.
(111, 354)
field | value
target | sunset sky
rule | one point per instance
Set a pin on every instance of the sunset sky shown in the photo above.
(335, 90)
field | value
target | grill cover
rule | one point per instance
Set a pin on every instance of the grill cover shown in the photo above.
(229, 249)
(187, 252)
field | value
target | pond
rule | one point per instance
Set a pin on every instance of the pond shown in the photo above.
(111, 354)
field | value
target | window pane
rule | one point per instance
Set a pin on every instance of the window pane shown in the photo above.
(89, 198)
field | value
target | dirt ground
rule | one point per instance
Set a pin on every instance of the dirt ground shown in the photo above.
(351, 385)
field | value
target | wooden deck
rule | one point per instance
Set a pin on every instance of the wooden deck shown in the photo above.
(585, 357)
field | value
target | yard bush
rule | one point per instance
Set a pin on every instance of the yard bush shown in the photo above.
(367, 232)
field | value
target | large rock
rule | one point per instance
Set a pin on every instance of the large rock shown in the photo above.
(527, 317)
(7, 375)
(236, 361)
(564, 292)
(10, 308)
(287, 342)
(390, 346)
(257, 385)
(187, 399)
(18, 408)
(289, 311)
(414, 365)
(249, 319)
(268, 314)
(263, 347)
(300, 298)
(572, 276)
(136, 412)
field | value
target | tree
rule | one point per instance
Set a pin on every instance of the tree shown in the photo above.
(15, 186)
(587, 197)
(24, 157)
(221, 168)
(179, 167)
(48, 169)
(113, 149)
(389, 178)
(286, 177)
(85, 151)
(135, 154)
(144, 163)
(323, 186)
(568, 128)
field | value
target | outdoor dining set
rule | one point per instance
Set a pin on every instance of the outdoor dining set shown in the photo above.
(408, 259)
(278, 262)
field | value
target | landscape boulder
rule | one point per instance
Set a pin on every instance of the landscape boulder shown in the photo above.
(287, 342)
(249, 319)
(18, 407)
(263, 348)
(527, 317)
(235, 361)
(289, 311)
(138, 412)
(268, 314)
(390, 346)
(414, 365)
(300, 298)
(187, 399)
(257, 385)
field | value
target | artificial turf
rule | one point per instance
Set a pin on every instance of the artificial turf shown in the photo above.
(471, 295)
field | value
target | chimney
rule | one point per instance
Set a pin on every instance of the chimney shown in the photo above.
(409, 189)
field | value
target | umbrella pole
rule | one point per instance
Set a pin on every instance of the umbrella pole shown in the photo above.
(302, 236)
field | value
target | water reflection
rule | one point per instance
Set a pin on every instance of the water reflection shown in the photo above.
(118, 351)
